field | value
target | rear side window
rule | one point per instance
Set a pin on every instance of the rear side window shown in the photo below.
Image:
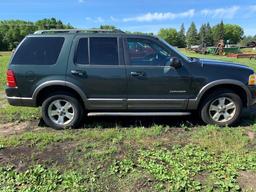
(82, 56)
(38, 51)
(103, 51)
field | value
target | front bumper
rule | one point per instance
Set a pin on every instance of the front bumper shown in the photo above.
(252, 99)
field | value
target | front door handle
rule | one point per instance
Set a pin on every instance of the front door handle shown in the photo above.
(78, 73)
(137, 74)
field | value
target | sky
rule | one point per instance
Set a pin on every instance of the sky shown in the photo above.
(135, 15)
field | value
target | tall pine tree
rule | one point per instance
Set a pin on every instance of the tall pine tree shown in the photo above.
(192, 36)
(218, 32)
(205, 35)
(208, 35)
(181, 37)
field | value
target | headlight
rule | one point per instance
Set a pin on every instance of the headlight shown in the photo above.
(252, 79)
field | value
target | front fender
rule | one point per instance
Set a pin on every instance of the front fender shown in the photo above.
(193, 103)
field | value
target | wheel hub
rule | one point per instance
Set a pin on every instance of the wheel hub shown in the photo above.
(61, 112)
(222, 109)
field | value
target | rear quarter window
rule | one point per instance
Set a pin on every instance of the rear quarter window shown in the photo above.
(38, 51)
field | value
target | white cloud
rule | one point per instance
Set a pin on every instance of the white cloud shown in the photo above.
(158, 16)
(221, 13)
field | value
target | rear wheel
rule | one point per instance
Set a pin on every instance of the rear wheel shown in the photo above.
(221, 108)
(62, 111)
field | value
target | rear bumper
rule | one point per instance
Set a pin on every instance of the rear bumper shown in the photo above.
(21, 101)
(14, 98)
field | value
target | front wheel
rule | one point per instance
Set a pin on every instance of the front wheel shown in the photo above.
(62, 111)
(221, 108)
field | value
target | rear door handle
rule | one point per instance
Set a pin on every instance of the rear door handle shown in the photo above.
(78, 73)
(137, 74)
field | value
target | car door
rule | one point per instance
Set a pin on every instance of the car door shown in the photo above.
(152, 83)
(96, 66)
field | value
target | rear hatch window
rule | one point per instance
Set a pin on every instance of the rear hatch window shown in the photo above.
(38, 51)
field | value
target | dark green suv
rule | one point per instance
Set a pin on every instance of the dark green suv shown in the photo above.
(73, 73)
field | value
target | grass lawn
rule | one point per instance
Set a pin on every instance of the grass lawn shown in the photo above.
(125, 154)
(4, 59)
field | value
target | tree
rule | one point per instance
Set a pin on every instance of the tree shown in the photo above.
(110, 27)
(13, 31)
(233, 33)
(181, 37)
(205, 35)
(218, 32)
(51, 23)
(247, 39)
(202, 34)
(192, 36)
(208, 35)
(170, 35)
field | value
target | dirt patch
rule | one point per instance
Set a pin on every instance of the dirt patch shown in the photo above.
(247, 180)
(17, 128)
(171, 137)
(22, 157)
(143, 184)
(202, 177)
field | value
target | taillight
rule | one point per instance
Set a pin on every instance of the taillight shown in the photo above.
(11, 81)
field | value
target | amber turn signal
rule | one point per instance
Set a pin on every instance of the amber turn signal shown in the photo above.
(252, 79)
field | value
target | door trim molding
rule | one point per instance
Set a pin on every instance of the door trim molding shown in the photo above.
(123, 99)
(105, 99)
(156, 99)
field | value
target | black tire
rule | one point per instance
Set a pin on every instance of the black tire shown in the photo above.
(206, 114)
(77, 111)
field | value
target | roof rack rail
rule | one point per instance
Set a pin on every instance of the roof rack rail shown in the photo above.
(78, 31)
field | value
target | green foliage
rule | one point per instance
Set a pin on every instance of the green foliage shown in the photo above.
(205, 35)
(40, 178)
(170, 35)
(13, 31)
(4, 58)
(177, 168)
(107, 27)
(36, 139)
(233, 33)
(122, 168)
(247, 39)
(181, 42)
(192, 36)
(221, 139)
(14, 113)
(51, 23)
(218, 32)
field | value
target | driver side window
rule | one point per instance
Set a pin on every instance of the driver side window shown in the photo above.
(146, 52)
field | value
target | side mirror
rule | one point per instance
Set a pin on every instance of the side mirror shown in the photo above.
(175, 62)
